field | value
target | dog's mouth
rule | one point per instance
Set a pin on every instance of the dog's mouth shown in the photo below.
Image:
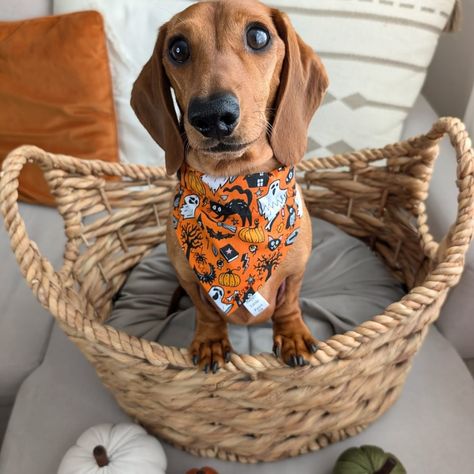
(222, 147)
(232, 148)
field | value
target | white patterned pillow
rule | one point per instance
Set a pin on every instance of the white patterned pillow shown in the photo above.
(376, 53)
(131, 27)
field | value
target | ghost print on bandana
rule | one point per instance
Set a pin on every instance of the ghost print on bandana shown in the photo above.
(235, 231)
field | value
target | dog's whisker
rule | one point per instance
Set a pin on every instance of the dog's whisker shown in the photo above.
(265, 123)
(186, 143)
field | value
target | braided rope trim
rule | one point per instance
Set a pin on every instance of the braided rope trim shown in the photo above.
(47, 284)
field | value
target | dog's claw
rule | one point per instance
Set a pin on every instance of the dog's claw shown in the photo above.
(294, 343)
(277, 350)
(211, 355)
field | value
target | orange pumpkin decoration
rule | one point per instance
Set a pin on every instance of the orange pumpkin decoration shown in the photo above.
(229, 279)
(202, 470)
(252, 235)
(195, 184)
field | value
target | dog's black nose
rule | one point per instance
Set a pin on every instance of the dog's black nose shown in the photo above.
(215, 116)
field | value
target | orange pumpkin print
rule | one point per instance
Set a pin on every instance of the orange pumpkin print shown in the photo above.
(229, 279)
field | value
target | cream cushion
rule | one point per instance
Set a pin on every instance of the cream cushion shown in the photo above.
(131, 28)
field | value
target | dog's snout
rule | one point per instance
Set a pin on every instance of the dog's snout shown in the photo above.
(215, 116)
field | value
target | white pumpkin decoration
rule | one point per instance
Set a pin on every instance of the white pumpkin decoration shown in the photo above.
(124, 448)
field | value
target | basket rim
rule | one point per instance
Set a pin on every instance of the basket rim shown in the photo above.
(443, 275)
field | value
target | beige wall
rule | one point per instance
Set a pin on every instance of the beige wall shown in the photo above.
(451, 75)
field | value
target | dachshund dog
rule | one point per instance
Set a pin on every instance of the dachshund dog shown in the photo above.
(246, 86)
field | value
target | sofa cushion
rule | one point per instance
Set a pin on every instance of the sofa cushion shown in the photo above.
(344, 284)
(470, 365)
(24, 325)
(430, 428)
(56, 92)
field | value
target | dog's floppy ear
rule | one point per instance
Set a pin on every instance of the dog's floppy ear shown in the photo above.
(152, 102)
(303, 83)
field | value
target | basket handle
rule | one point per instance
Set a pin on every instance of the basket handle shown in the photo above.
(46, 283)
(454, 245)
(36, 269)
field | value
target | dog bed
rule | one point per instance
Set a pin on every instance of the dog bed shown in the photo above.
(344, 282)
(255, 408)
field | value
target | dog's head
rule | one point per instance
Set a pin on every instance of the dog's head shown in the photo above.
(241, 75)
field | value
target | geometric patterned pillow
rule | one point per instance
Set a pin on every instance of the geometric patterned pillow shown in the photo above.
(376, 53)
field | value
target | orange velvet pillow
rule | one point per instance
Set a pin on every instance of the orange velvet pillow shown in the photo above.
(56, 92)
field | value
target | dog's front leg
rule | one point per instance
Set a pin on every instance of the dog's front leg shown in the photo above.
(292, 340)
(210, 348)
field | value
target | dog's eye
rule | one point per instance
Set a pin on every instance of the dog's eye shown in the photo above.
(257, 37)
(179, 50)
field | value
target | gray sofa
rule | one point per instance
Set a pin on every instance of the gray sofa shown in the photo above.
(49, 394)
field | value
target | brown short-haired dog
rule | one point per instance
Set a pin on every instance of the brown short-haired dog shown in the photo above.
(247, 87)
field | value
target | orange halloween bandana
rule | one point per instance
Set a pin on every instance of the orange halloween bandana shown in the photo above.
(236, 230)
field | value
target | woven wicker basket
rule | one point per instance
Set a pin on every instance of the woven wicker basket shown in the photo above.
(256, 408)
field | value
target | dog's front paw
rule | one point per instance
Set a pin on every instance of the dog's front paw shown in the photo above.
(210, 354)
(294, 343)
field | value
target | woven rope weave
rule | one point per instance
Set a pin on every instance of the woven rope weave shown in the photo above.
(255, 408)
